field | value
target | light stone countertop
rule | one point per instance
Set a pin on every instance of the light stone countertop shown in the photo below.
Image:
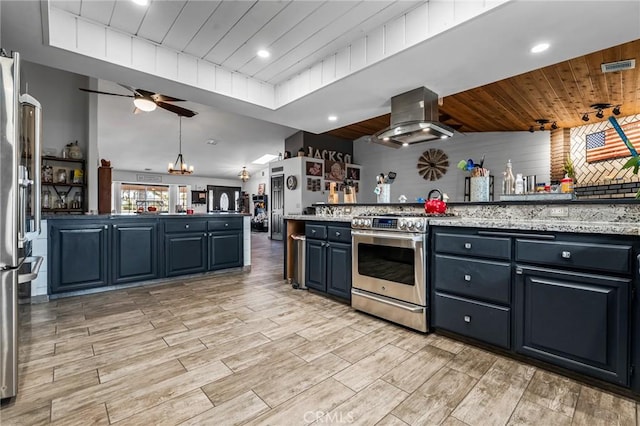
(617, 228)
(307, 217)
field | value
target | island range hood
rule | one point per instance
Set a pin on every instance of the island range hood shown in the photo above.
(414, 119)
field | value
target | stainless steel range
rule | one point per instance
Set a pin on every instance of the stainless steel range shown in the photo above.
(389, 268)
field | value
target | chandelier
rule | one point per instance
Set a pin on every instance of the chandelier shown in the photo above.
(180, 167)
(244, 174)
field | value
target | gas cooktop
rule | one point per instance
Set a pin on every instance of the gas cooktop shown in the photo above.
(398, 222)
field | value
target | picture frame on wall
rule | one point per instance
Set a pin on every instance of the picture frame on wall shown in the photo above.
(313, 168)
(261, 187)
(334, 171)
(353, 173)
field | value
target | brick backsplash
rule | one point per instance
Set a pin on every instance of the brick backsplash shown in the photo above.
(615, 189)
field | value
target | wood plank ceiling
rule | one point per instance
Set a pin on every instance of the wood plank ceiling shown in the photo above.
(561, 93)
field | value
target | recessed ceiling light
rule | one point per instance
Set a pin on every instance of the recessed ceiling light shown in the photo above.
(541, 47)
(212, 142)
(332, 118)
(263, 53)
(265, 159)
(141, 2)
(147, 169)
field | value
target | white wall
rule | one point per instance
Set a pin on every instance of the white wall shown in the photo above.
(529, 153)
(64, 108)
(251, 186)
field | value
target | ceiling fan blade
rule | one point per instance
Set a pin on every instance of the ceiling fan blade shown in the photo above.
(164, 98)
(176, 109)
(127, 87)
(144, 93)
(105, 93)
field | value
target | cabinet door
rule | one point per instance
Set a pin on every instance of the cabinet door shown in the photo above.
(225, 250)
(185, 253)
(577, 321)
(339, 269)
(316, 265)
(135, 252)
(79, 256)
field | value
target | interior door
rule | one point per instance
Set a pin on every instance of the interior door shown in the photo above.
(277, 204)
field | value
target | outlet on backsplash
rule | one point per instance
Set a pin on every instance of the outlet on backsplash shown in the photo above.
(557, 211)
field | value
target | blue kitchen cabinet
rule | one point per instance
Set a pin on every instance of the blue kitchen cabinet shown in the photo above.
(78, 255)
(134, 254)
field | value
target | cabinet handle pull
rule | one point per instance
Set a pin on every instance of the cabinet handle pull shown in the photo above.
(327, 245)
(106, 227)
(313, 231)
(566, 255)
(467, 277)
(186, 226)
(337, 234)
(467, 245)
(205, 234)
(467, 318)
(322, 244)
(115, 226)
(226, 224)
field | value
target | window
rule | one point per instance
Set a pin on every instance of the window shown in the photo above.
(135, 198)
(183, 198)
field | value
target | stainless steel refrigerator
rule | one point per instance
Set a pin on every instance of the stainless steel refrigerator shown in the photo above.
(21, 122)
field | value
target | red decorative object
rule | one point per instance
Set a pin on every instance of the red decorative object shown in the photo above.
(435, 205)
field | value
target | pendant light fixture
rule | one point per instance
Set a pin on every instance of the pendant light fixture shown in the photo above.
(244, 174)
(180, 167)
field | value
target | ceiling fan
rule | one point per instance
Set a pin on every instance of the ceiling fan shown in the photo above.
(148, 101)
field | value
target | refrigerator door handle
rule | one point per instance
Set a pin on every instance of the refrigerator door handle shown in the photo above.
(36, 262)
(36, 180)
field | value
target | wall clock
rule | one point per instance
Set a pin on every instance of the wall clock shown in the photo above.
(292, 182)
(433, 164)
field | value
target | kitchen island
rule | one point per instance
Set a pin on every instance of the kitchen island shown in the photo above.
(88, 253)
(553, 283)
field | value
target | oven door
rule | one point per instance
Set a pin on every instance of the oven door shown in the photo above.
(390, 264)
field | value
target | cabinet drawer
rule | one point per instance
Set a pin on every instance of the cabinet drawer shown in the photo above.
(338, 234)
(482, 321)
(224, 224)
(597, 257)
(473, 245)
(475, 278)
(185, 226)
(316, 231)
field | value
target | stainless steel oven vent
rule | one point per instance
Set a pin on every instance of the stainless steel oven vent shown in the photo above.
(414, 119)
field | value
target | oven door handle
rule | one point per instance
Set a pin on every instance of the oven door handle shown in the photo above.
(391, 235)
(388, 302)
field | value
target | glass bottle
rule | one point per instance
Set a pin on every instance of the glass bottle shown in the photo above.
(46, 199)
(519, 184)
(509, 180)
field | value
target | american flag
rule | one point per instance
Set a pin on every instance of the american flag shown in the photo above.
(607, 144)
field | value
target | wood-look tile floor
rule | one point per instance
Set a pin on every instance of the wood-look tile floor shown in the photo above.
(245, 348)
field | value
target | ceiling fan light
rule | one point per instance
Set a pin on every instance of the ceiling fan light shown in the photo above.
(144, 104)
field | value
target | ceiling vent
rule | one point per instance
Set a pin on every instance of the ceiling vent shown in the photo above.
(627, 64)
